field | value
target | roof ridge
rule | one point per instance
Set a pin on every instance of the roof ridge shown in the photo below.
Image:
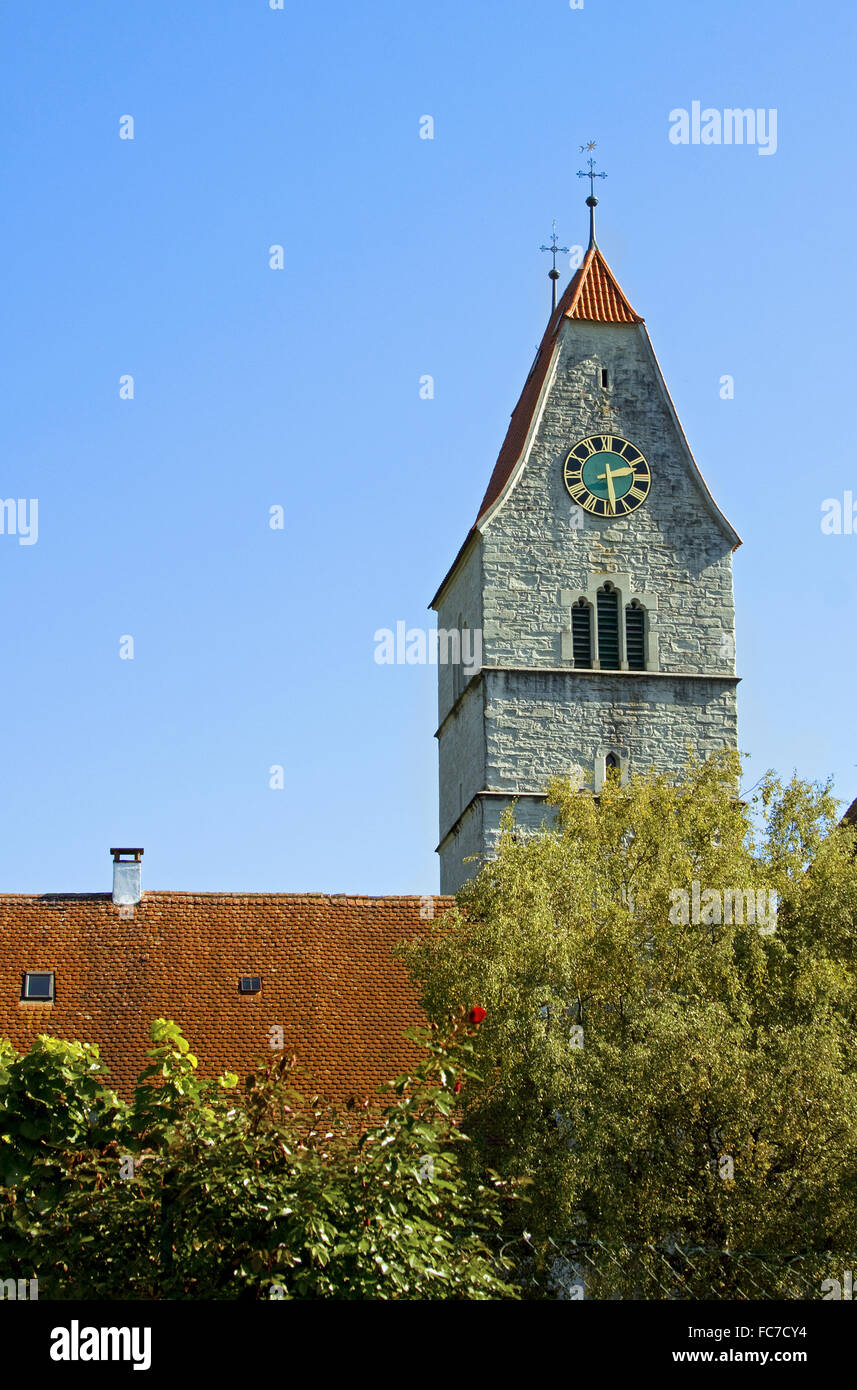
(216, 893)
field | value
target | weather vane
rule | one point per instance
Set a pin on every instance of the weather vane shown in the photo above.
(592, 201)
(555, 250)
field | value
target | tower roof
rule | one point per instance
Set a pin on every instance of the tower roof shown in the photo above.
(594, 294)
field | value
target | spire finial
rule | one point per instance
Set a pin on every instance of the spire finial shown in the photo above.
(592, 201)
(555, 250)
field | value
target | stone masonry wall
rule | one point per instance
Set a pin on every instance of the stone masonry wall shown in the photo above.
(546, 724)
(516, 728)
(462, 596)
(462, 755)
(671, 546)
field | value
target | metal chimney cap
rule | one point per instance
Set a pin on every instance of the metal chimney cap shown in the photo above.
(117, 854)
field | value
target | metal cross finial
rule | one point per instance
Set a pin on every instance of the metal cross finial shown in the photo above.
(590, 173)
(592, 201)
(555, 250)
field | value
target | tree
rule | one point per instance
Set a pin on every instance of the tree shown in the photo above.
(193, 1190)
(667, 1070)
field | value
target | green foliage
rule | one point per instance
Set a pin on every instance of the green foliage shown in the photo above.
(196, 1191)
(631, 1060)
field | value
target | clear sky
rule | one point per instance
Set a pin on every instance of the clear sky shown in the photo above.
(299, 388)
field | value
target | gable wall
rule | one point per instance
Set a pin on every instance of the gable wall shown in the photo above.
(671, 546)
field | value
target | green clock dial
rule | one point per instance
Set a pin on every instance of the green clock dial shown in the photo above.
(607, 475)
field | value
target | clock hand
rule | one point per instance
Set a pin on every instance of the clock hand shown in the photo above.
(610, 474)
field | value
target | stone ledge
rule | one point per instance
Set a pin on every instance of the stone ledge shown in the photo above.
(624, 675)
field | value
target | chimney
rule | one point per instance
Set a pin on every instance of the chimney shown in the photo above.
(127, 869)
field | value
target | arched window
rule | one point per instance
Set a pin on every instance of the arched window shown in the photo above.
(635, 636)
(581, 633)
(611, 764)
(608, 628)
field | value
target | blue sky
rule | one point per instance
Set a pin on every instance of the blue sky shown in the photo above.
(300, 388)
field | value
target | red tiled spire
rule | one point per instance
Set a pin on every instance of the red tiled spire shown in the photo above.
(594, 294)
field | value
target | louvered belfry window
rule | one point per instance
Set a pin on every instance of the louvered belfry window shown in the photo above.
(635, 636)
(581, 633)
(608, 628)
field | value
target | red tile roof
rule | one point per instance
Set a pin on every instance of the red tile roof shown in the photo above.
(328, 979)
(591, 294)
(594, 294)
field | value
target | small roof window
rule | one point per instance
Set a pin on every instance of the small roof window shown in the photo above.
(249, 984)
(37, 984)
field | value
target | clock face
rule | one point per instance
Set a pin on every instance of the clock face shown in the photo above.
(606, 475)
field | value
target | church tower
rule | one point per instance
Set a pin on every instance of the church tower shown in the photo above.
(599, 575)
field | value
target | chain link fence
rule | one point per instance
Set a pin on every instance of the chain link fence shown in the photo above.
(592, 1270)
